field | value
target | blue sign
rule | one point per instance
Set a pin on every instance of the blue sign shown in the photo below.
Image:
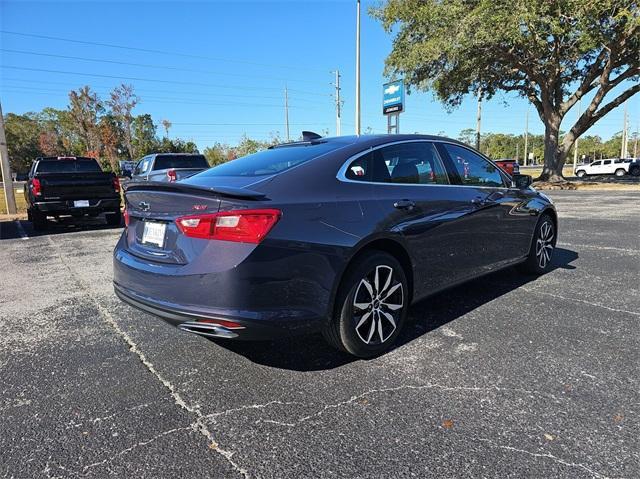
(393, 97)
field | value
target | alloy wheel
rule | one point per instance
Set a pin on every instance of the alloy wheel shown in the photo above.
(544, 244)
(377, 305)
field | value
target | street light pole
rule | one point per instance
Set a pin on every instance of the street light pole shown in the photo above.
(7, 181)
(358, 116)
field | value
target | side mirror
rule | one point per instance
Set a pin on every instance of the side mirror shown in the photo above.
(521, 182)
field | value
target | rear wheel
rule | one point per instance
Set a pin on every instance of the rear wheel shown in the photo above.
(114, 219)
(371, 306)
(38, 220)
(620, 172)
(542, 247)
(634, 171)
(580, 173)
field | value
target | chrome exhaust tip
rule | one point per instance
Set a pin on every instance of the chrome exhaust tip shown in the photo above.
(207, 330)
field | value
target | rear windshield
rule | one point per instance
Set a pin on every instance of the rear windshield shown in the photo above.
(273, 161)
(67, 166)
(166, 162)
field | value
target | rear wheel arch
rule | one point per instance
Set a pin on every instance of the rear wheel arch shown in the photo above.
(385, 245)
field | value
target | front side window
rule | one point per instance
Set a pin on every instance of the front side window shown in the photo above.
(472, 168)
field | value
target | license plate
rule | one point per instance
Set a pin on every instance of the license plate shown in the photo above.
(80, 203)
(154, 233)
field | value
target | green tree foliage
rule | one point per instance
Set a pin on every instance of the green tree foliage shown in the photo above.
(551, 52)
(22, 140)
(143, 135)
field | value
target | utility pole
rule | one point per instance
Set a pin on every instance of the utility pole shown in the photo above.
(286, 112)
(338, 105)
(358, 116)
(635, 142)
(575, 145)
(526, 138)
(623, 147)
(478, 118)
(7, 180)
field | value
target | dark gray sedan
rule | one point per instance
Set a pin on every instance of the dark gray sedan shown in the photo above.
(338, 235)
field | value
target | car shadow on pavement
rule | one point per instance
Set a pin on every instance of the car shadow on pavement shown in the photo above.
(312, 353)
(23, 229)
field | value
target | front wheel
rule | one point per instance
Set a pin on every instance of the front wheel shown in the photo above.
(371, 306)
(542, 247)
(580, 173)
(620, 172)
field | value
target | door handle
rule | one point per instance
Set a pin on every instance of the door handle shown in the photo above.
(478, 201)
(404, 204)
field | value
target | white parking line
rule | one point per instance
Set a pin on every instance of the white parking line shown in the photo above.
(21, 231)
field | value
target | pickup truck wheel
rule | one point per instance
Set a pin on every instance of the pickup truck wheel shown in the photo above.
(38, 220)
(620, 172)
(581, 173)
(634, 171)
(114, 219)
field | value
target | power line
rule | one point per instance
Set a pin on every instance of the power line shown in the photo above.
(155, 80)
(181, 101)
(143, 91)
(148, 65)
(149, 50)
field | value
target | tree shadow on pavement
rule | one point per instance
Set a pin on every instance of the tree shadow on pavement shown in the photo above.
(312, 353)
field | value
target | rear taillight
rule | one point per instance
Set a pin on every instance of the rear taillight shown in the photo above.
(125, 215)
(36, 188)
(116, 184)
(172, 175)
(242, 226)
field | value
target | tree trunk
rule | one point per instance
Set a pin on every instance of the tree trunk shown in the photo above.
(554, 153)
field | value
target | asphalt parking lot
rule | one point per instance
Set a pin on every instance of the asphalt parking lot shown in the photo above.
(506, 376)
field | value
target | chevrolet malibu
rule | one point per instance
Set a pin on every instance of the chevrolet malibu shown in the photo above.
(338, 235)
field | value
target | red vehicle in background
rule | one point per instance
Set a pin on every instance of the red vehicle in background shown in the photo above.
(511, 167)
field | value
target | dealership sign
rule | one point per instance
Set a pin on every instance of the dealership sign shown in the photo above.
(393, 97)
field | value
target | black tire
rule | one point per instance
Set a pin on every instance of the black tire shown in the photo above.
(620, 172)
(634, 171)
(366, 332)
(38, 220)
(581, 173)
(114, 219)
(543, 241)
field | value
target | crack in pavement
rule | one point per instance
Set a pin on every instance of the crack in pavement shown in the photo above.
(545, 455)
(199, 425)
(598, 305)
(400, 388)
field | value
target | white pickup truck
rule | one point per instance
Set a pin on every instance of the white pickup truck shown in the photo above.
(610, 166)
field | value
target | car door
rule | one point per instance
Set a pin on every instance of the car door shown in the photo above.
(608, 168)
(595, 168)
(415, 199)
(496, 211)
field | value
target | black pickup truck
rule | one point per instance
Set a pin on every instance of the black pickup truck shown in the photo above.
(71, 186)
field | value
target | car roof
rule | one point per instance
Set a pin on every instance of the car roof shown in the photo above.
(373, 140)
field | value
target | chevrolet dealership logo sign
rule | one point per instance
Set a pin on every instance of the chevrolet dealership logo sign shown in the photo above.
(393, 97)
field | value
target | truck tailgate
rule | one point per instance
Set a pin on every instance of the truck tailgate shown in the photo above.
(87, 185)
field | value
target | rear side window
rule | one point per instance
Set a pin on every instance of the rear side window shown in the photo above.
(606, 162)
(416, 163)
(166, 162)
(273, 161)
(68, 166)
(472, 169)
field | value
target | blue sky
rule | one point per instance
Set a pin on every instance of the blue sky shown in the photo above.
(228, 67)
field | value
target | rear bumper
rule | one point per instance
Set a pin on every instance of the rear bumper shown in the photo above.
(66, 207)
(255, 326)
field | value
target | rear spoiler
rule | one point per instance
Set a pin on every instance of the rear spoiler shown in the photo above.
(178, 187)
